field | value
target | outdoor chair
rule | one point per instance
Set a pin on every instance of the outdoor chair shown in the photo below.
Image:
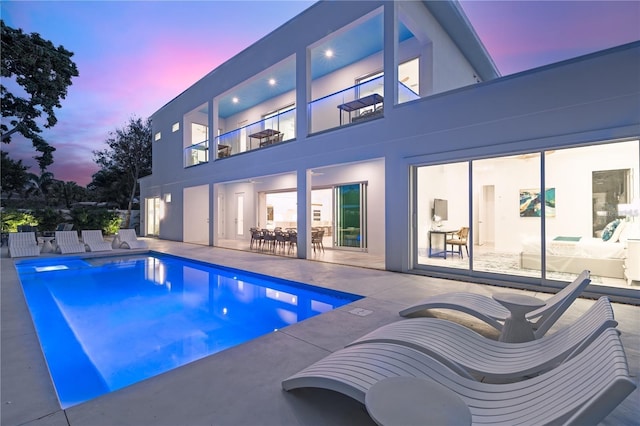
(582, 390)
(129, 239)
(23, 244)
(68, 242)
(493, 313)
(477, 357)
(94, 241)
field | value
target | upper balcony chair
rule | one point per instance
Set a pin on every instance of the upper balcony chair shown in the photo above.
(493, 313)
(477, 357)
(94, 241)
(582, 390)
(129, 240)
(23, 244)
(68, 242)
(459, 239)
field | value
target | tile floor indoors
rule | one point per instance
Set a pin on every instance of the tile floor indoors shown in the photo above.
(241, 386)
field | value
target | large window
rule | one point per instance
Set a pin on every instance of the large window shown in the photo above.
(527, 224)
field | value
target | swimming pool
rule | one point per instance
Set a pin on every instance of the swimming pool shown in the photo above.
(108, 322)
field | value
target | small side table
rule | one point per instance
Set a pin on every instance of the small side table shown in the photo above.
(116, 243)
(517, 328)
(413, 401)
(47, 247)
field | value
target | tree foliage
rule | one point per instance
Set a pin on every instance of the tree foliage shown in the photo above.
(44, 72)
(14, 176)
(127, 158)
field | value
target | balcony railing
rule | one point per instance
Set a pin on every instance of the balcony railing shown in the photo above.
(269, 131)
(335, 110)
(405, 94)
(196, 154)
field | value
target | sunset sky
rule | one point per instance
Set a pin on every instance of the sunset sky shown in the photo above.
(135, 56)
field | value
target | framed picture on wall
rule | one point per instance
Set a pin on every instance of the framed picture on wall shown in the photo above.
(531, 202)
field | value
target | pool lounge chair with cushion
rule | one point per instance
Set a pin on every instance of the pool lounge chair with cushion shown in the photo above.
(94, 241)
(477, 357)
(583, 390)
(68, 242)
(129, 240)
(23, 244)
(493, 313)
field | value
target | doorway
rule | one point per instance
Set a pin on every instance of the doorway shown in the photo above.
(350, 216)
(153, 216)
(196, 215)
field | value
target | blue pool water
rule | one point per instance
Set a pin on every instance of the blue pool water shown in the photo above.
(105, 323)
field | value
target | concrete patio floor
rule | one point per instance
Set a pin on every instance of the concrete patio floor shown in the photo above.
(241, 386)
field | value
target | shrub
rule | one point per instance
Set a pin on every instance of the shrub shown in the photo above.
(11, 219)
(48, 219)
(91, 218)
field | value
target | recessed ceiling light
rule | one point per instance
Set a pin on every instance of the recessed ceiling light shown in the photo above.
(235, 100)
(328, 53)
(272, 81)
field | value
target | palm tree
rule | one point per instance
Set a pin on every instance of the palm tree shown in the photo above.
(39, 186)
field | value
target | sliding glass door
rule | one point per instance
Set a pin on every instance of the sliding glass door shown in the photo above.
(350, 214)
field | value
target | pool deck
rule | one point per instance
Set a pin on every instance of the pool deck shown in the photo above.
(241, 386)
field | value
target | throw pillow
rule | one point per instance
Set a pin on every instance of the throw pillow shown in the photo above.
(608, 230)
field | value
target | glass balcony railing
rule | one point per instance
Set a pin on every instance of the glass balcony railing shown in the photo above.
(357, 103)
(196, 154)
(405, 94)
(272, 130)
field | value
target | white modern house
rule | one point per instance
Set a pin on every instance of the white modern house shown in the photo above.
(387, 126)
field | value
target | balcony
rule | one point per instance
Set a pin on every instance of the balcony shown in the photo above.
(358, 103)
(196, 154)
(266, 132)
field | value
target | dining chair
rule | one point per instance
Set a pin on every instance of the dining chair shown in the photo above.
(459, 239)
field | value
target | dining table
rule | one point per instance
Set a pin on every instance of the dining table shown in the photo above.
(264, 136)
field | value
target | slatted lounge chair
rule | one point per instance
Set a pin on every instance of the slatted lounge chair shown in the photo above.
(493, 313)
(94, 241)
(23, 244)
(67, 242)
(583, 390)
(129, 240)
(477, 357)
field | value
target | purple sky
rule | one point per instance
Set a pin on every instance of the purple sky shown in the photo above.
(135, 56)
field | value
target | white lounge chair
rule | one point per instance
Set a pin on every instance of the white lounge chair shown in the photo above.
(23, 244)
(477, 357)
(493, 313)
(68, 242)
(94, 241)
(128, 239)
(583, 390)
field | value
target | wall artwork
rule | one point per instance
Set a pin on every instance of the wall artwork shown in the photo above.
(531, 202)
